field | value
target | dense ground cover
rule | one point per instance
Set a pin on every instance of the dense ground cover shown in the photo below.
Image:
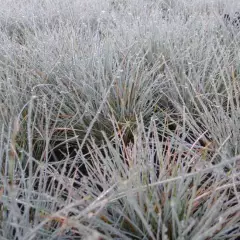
(119, 120)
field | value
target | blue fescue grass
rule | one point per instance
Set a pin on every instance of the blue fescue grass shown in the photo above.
(119, 120)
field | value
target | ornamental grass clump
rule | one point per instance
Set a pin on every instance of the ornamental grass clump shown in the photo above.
(150, 189)
(119, 120)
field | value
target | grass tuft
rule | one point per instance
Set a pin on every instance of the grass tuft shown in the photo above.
(119, 120)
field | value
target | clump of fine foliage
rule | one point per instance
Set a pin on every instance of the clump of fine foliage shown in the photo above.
(119, 120)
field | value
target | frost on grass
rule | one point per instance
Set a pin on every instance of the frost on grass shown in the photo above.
(119, 120)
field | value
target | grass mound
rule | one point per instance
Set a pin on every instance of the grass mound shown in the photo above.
(119, 120)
